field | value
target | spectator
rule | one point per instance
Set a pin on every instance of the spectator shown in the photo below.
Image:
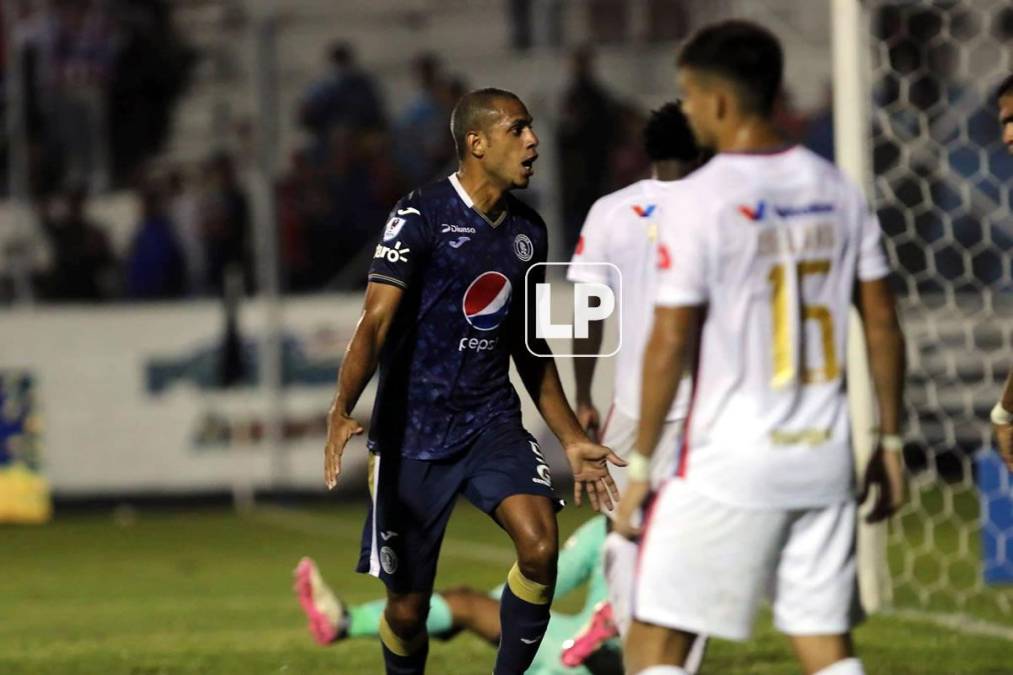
(83, 267)
(346, 97)
(151, 69)
(422, 150)
(225, 229)
(585, 138)
(184, 210)
(155, 268)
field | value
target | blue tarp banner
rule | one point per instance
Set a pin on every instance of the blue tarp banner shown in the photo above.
(995, 489)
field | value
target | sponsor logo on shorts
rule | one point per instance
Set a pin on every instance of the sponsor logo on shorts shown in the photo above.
(531, 641)
(388, 560)
(388, 535)
(544, 477)
(394, 255)
(523, 247)
(486, 302)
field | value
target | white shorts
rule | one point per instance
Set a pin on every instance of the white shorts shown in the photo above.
(619, 433)
(705, 566)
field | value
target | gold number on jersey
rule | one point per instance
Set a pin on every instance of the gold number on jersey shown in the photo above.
(784, 367)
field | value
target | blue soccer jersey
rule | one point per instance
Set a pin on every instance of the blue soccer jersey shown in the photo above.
(444, 368)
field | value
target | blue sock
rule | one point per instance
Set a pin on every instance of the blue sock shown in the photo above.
(400, 656)
(524, 616)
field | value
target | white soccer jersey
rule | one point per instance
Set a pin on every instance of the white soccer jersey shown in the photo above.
(772, 245)
(621, 228)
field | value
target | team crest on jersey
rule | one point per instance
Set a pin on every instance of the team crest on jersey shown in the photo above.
(644, 211)
(487, 300)
(523, 247)
(394, 226)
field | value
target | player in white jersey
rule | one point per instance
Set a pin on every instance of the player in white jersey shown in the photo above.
(619, 239)
(1002, 413)
(766, 249)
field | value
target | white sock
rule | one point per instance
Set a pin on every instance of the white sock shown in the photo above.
(663, 670)
(620, 563)
(695, 656)
(850, 666)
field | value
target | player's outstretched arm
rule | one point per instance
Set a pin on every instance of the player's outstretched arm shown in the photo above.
(588, 460)
(358, 365)
(1002, 422)
(671, 346)
(885, 345)
(583, 370)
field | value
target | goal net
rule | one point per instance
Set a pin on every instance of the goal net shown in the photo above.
(942, 181)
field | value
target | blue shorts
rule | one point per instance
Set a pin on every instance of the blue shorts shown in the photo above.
(412, 500)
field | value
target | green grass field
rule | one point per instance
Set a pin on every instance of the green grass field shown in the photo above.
(207, 591)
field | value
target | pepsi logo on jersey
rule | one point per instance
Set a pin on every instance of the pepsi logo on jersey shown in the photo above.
(486, 302)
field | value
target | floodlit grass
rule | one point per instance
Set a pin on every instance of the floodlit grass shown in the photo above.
(207, 591)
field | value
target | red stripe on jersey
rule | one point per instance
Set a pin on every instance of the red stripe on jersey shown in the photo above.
(580, 246)
(664, 257)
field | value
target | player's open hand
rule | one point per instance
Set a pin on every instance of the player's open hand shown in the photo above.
(1004, 441)
(632, 503)
(587, 416)
(885, 472)
(340, 428)
(589, 463)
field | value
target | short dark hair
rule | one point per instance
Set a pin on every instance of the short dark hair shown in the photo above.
(746, 54)
(667, 135)
(472, 113)
(1005, 88)
(342, 54)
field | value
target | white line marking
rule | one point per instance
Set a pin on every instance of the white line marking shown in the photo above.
(962, 623)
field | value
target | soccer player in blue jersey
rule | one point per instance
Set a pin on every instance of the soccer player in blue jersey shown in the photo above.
(443, 315)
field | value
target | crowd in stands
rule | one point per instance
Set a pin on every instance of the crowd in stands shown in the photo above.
(195, 224)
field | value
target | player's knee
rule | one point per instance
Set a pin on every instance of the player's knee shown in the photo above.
(537, 557)
(407, 615)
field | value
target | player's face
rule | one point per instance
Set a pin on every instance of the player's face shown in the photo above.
(511, 151)
(1006, 120)
(699, 104)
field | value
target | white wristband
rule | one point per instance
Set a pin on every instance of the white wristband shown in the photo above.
(891, 442)
(638, 467)
(1000, 415)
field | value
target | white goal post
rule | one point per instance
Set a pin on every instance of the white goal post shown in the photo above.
(916, 125)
